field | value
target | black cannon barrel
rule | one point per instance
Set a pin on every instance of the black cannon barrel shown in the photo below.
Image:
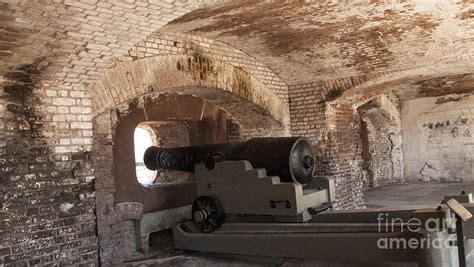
(290, 158)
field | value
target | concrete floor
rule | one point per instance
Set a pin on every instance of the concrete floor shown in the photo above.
(413, 194)
(387, 196)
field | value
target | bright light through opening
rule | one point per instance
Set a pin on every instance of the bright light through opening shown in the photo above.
(143, 140)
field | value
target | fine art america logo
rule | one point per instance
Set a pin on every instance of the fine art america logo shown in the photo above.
(388, 224)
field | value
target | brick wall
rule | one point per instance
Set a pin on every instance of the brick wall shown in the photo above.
(345, 160)
(113, 226)
(252, 96)
(45, 155)
(50, 51)
(334, 133)
(116, 239)
(326, 112)
(384, 164)
(165, 62)
(165, 43)
(47, 215)
(308, 119)
(233, 131)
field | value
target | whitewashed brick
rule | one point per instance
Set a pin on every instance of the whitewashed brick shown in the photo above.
(81, 125)
(63, 110)
(64, 101)
(81, 110)
(51, 93)
(59, 118)
(62, 149)
(64, 141)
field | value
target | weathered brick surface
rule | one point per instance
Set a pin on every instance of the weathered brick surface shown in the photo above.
(345, 156)
(383, 163)
(80, 38)
(311, 41)
(47, 213)
(335, 146)
(246, 120)
(334, 130)
(50, 52)
(66, 64)
(250, 93)
(115, 224)
(438, 138)
(164, 43)
(185, 60)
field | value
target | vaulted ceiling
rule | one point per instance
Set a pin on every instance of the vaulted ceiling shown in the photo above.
(75, 42)
(322, 40)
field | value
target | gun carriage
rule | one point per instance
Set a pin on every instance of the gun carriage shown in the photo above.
(260, 197)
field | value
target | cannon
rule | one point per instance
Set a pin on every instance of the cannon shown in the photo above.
(260, 198)
(290, 158)
(262, 179)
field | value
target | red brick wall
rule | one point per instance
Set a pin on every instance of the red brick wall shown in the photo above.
(345, 159)
(334, 133)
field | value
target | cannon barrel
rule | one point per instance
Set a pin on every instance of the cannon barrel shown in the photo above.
(290, 158)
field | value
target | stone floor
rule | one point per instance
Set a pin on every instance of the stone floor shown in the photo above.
(387, 196)
(413, 194)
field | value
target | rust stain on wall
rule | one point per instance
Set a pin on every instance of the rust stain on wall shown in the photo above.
(197, 64)
(332, 95)
(468, 14)
(204, 13)
(455, 84)
(241, 84)
(446, 99)
(361, 45)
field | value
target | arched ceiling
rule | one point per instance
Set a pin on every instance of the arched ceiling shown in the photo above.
(304, 41)
(73, 42)
(454, 84)
(430, 81)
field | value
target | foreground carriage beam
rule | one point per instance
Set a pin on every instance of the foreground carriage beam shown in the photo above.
(321, 242)
(343, 236)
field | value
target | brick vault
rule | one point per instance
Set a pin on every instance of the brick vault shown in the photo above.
(384, 91)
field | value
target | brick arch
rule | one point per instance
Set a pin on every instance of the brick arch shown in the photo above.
(244, 98)
(166, 43)
(386, 82)
(205, 123)
(228, 86)
(251, 119)
(340, 100)
(199, 61)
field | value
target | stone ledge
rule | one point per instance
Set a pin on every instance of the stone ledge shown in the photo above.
(129, 211)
